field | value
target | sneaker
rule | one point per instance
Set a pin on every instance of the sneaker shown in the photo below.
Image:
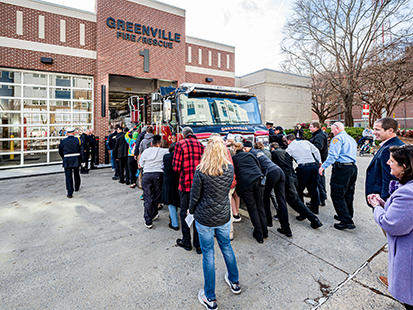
(156, 217)
(275, 217)
(235, 288)
(141, 197)
(209, 304)
(149, 226)
(236, 218)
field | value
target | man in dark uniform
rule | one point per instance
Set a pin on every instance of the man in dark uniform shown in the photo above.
(342, 155)
(85, 151)
(319, 139)
(93, 145)
(70, 149)
(270, 129)
(278, 137)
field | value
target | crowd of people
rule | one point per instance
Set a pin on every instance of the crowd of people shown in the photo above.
(208, 183)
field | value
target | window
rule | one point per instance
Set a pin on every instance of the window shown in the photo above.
(35, 110)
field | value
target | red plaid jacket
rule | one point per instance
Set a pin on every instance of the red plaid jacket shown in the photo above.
(187, 156)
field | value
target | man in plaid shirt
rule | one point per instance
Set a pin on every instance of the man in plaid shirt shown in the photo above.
(186, 158)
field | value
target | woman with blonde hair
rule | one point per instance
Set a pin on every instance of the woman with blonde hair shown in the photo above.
(210, 205)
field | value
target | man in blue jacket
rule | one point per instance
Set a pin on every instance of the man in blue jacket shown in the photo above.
(378, 174)
(70, 149)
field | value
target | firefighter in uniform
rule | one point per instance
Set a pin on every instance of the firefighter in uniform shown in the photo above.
(70, 149)
(342, 155)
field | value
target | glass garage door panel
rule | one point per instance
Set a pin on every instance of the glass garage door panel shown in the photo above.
(35, 110)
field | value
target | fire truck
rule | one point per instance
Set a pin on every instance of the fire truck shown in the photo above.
(206, 109)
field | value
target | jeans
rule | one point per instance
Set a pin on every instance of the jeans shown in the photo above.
(173, 215)
(112, 159)
(206, 239)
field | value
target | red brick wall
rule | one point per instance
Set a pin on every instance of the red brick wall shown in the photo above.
(52, 27)
(25, 59)
(217, 80)
(205, 58)
(121, 57)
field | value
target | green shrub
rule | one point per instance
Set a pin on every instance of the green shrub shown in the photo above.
(355, 132)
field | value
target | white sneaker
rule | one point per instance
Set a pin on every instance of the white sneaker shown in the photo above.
(235, 288)
(148, 226)
(156, 217)
(236, 219)
(209, 304)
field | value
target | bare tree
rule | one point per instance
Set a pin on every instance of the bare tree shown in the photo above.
(339, 37)
(387, 82)
(324, 98)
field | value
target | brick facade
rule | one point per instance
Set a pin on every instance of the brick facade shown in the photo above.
(217, 80)
(114, 55)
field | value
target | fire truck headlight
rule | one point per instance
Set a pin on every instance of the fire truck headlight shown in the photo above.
(263, 139)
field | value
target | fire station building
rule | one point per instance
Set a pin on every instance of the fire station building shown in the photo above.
(62, 67)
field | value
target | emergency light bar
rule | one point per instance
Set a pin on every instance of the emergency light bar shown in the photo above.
(215, 87)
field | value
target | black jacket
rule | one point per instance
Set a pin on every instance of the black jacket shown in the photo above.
(266, 164)
(70, 149)
(138, 142)
(112, 139)
(170, 193)
(247, 169)
(279, 139)
(121, 146)
(284, 161)
(319, 139)
(209, 200)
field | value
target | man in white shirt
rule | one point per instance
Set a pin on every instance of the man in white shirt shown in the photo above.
(151, 160)
(308, 158)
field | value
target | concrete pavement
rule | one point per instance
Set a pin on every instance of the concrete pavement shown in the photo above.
(94, 252)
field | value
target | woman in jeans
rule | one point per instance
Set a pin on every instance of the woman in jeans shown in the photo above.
(395, 217)
(210, 205)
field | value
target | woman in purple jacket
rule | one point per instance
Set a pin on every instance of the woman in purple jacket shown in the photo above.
(395, 216)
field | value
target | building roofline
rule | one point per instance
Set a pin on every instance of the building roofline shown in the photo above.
(65, 7)
(266, 69)
(210, 44)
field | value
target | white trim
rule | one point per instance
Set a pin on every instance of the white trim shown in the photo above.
(46, 48)
(207, 71)
(210, 44)
(53, 8)
(200, 56)
(62, 30)
(41, 27)
(219, 60)
(189, 54)
(210, 58)
(82, 34)
(19, 23)
(161, 6)
(227, 61)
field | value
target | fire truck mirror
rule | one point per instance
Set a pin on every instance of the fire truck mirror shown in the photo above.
(167, 110)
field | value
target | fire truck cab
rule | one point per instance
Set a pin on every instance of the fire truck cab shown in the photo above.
(206, 109)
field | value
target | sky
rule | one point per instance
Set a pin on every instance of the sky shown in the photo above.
(253, 27)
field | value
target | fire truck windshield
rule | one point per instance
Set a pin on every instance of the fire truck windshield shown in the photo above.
(217, 110)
